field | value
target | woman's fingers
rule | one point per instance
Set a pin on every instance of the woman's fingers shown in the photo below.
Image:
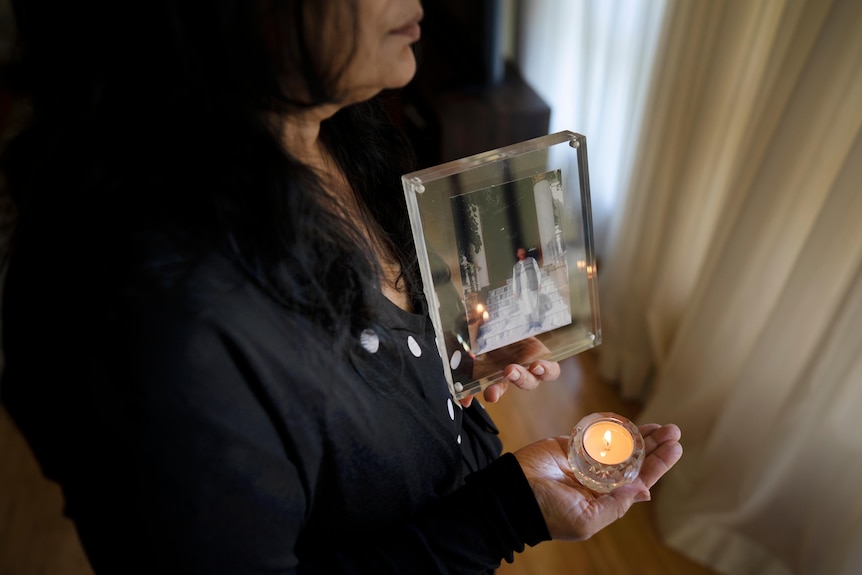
(545, 370)
(648, 428)
(531, 376)
(526, 378)
(661, 457)
(654, 435)
(495, 391)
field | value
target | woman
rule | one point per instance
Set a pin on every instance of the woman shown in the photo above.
(215, 334)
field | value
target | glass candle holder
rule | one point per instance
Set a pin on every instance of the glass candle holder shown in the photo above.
(606, 451)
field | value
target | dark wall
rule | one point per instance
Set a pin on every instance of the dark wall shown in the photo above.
(465, 99)
(461, 44)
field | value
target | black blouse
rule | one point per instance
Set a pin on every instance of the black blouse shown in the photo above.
(201, 428)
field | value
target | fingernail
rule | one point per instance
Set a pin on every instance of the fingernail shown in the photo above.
(642, 496)
(515, 375)
(538, 370)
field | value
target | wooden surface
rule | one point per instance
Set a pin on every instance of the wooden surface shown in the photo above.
(35, 539)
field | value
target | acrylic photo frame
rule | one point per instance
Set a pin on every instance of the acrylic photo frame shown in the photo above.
(505, 247)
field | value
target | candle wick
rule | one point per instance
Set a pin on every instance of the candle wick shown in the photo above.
(606, 439)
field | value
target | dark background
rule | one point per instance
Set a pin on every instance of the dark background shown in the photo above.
(465, 98)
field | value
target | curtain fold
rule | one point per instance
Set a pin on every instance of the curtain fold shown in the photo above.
(731, 277)
(772, 464)
(726, 72)
(734, 283)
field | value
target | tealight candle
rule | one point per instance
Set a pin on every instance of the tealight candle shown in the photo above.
(608, 442)
(605, 451)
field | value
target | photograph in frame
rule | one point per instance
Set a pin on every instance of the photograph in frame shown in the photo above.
(515, 285)
(505, 249)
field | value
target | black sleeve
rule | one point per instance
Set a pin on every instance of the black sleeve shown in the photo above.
(469, 531)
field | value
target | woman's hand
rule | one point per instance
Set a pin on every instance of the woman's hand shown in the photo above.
(527, 378)
(527, 352)
(573, 512)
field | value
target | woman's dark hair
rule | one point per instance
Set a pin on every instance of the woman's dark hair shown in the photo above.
(152, 123)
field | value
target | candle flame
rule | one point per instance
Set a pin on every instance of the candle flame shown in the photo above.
(606, 439)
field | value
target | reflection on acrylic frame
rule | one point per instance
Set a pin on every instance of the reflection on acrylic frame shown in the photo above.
(505, 248)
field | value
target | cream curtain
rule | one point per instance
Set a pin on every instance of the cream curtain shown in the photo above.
(750, 299)
(731, 280)
(732, 283)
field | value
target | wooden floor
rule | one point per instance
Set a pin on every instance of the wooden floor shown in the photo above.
(36, 540)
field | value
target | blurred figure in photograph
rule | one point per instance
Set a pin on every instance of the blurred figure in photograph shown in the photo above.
(526, 286)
